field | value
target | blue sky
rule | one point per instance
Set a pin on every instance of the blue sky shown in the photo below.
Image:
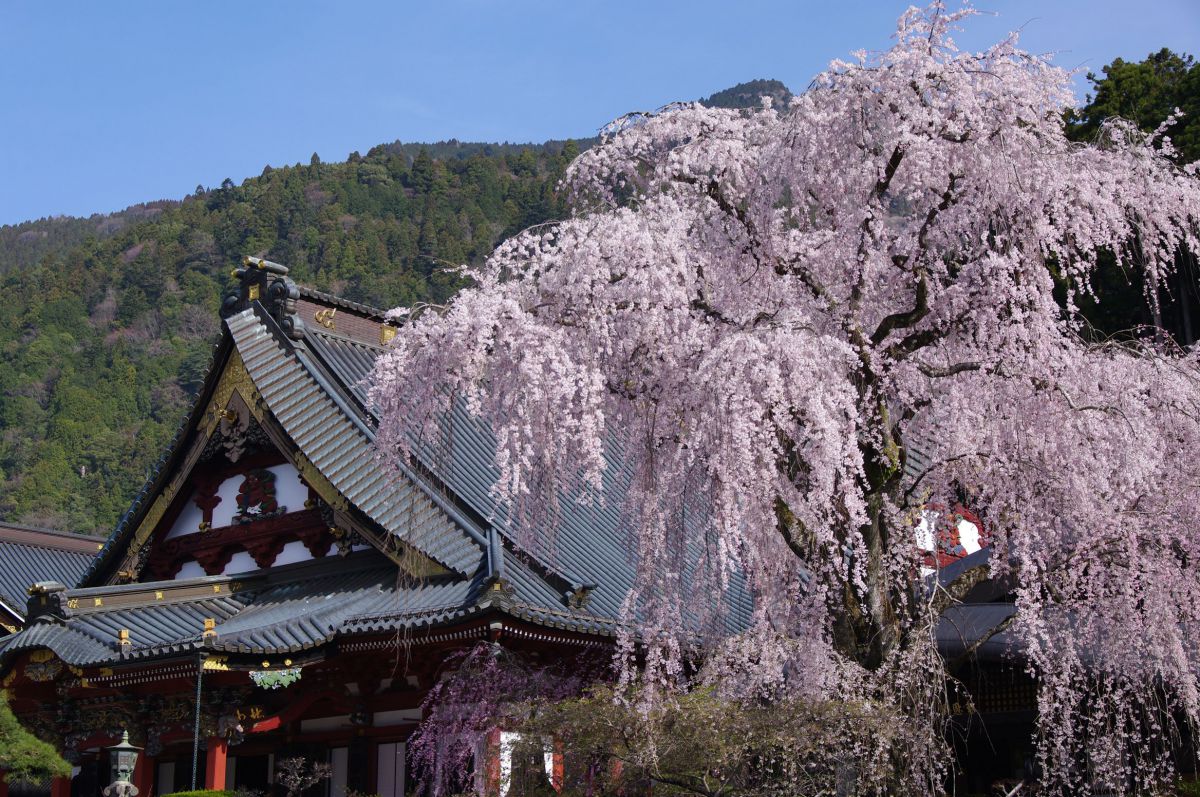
(108, 104)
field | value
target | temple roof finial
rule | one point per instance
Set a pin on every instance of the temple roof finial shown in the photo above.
(268, 284)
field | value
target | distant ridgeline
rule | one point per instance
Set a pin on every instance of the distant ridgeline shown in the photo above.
(750, 94)
(109, 320)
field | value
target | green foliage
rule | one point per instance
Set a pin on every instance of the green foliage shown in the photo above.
(1145, 92)
(750, 94)
(1188, 788)
(699, 743)
(22, 755)
(25, 244)
(110, 321)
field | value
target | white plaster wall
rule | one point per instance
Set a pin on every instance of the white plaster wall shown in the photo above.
(191, 569)
(290, 492)
(390, 770)
(400, 716)
(325, 724)
(224, 511)
(189, 519)
(339, 760)
(294, 551)
(968, 535)
(242, 562)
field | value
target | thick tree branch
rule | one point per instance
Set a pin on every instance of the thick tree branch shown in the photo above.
(937, 372)
(712, 189)
(789, 525)
(889, 171)
(948, 199)
(921, 303)
(906, 319)
(972, 648)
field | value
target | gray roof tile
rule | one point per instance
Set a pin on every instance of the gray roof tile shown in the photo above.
(590, 546)
(23, 563)
(343, 450)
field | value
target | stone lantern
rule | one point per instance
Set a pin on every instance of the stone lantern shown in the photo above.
(122, 758)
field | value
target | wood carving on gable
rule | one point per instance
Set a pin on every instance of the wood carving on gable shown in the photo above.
(234, 428)
(256, 497)
(232, 421)
(235, 382)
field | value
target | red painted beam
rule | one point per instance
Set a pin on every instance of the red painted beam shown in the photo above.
(292, 712)
(143, 774)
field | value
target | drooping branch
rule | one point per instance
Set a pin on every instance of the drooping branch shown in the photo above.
(908, 318)
(971, 649)
(941, 371)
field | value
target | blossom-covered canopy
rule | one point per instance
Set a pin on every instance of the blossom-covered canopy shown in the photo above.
(763, 315)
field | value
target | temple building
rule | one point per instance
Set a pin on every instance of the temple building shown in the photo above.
(28, 555)
(279, 589)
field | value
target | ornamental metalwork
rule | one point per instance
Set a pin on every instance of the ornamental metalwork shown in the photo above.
(275, 679)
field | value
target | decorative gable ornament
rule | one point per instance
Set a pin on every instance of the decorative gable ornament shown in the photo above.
(256, 497)
(266, 283)
(275, 679)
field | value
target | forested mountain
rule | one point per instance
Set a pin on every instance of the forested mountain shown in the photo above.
(110, 320)
(750, 94)
(25, 244)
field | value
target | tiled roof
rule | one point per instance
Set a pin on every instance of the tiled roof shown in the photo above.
(290, 609)
(983, 609)
(30, 555)
(339, 444)
(313, 384)
(964, 625)
(287, 610)
(590, 546)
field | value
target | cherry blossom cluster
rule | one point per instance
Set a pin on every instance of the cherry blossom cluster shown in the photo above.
(794, 329)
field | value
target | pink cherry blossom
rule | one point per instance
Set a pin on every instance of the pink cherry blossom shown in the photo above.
(766, 315)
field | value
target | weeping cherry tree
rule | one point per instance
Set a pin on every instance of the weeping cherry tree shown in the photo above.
(769, 317)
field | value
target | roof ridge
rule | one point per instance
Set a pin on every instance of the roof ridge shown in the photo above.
(347, 304)
(37, 530)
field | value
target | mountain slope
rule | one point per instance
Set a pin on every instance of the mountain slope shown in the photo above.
(110, 319)
(105, 338)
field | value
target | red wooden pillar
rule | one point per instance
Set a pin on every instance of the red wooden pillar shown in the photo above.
(143, 775)
(3, 783)
(491, 763)
(61, 787)
(616, 768)
(214, 768)
(556, 776)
